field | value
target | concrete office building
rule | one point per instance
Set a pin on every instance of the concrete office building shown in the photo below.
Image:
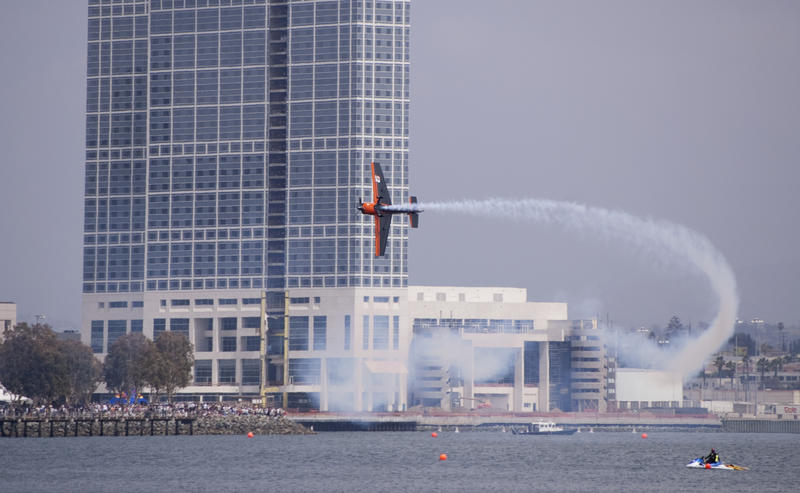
(8, 316)
(368, 349)
(492, 348)
(227, 142)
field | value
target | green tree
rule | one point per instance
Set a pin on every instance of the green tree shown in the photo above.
(743, 340)
(170, 365)
(128, 362)
(762, 364)
(775, 364)
(674, 328)
(731, 367)
(31, 364)
(83, 371)
(719, 362)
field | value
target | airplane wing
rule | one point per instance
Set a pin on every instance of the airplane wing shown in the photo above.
(382, 226)
(379, 188)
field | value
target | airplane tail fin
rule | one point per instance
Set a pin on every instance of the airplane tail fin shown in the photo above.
(413, 217)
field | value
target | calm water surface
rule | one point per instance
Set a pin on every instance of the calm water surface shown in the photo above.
(404, 461)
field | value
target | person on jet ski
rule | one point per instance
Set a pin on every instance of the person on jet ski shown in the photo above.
(712, 457)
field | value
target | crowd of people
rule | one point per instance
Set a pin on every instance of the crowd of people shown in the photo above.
(162, 410)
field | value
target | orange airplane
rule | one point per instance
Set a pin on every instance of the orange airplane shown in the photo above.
(381, 207)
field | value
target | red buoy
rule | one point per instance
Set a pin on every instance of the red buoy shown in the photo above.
(443, 457)
(249, 434)
(644, 435)
(434, 434)
(708, 466)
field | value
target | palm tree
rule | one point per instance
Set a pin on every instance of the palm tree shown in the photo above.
(746, 362)
(762, 364)
(731, 367)
(719, 362)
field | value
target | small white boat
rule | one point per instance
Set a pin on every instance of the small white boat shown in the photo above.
(543, 428)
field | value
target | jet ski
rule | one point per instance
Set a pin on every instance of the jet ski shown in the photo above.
(700, 464)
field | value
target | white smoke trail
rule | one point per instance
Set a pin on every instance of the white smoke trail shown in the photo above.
(661, 240)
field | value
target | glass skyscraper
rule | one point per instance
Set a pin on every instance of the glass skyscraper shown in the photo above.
(228, 141)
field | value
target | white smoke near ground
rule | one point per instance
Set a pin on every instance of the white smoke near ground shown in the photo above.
(659, 241)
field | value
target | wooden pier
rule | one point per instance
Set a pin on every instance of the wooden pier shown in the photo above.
(761, 425)
(80, 427)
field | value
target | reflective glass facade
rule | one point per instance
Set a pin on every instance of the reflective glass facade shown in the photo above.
(228, 141)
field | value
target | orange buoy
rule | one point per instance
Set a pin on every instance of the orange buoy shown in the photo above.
(708, 466)
(434, 434)
(443, 457)
(644, 435)
(249, 434)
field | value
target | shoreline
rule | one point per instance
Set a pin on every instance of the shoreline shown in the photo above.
(36, 427)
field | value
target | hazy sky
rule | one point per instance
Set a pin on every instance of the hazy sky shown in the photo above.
(680, 110)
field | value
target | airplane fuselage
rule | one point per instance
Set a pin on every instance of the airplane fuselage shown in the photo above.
(381, 207)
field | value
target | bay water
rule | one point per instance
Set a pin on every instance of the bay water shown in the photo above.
(484, 461)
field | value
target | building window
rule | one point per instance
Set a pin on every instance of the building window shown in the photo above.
(251, 372)
(251, 343)
(202, 371)
(227, 301)
(299, 301)
(251, 301)
(441, 297)
(116, 329)
(137, 326)
(228, 323)
(420, 296)
(365, 333)
(316, 300)
(179, 325)
(498, 297)
(97, 336)
(228, 344)
(226, 370)
(380, 332)
(163, 302)
(381, 299)
(138, 304)
(205, 345)
(396, 332)
(366, 299)
(320, 333)
(159, 326)
(298, 333)
(347, 332)
(204, 302)
(396, 299)
(118, 304)
(462, 297)
(179, 302)
(304, 371)
(251, 322)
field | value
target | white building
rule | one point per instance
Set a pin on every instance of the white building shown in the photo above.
(482, 347)
(638, 388)
(368, 348)
(8, 316)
